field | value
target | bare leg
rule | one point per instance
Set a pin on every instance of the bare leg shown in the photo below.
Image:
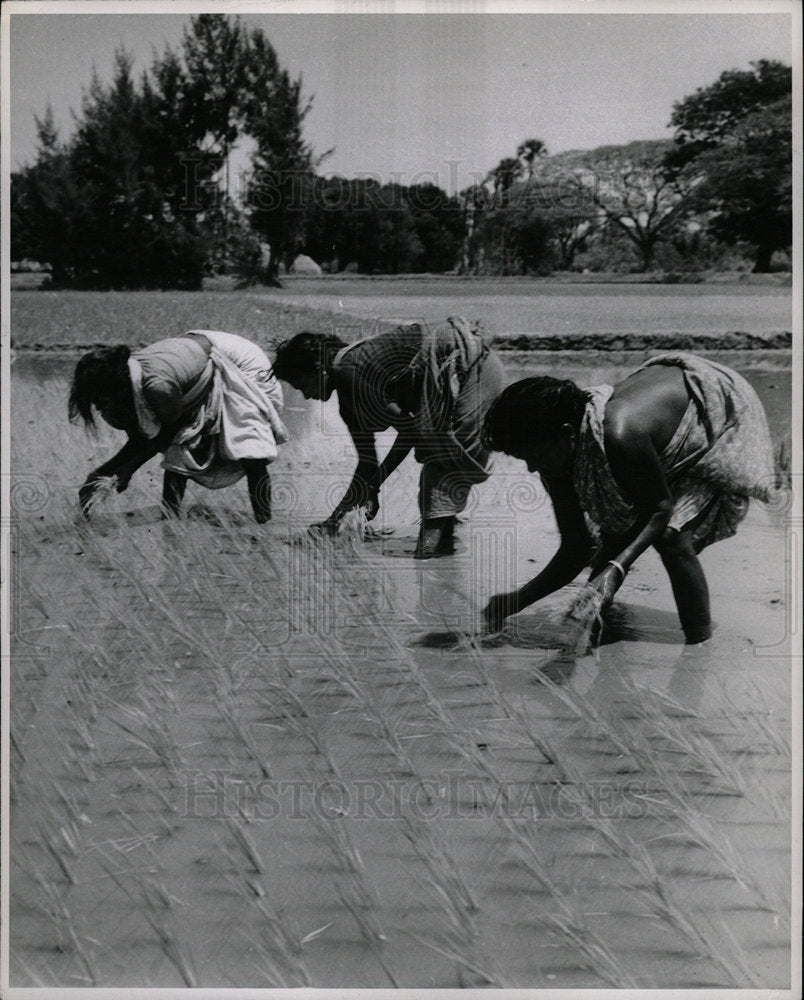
(436, 537)
(689, 584)
(259, 488)
(173, 487)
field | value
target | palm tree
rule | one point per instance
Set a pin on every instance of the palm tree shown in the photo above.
(529, 151)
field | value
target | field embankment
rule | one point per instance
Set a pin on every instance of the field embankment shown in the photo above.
(517, 315)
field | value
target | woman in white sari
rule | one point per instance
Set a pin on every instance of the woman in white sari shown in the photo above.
(207, 400)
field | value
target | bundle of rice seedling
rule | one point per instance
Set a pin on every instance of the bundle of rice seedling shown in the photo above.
(352, 530)
(348, 536)
(101, 489)
(583, 620)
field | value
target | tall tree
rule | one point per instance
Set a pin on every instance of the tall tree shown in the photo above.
(134, 197)
(474, 202)
(710, 114)
(568, 208)
(121, 156)
(46, 204)
(736, 137)
(283, 164)
(529, 152)
(215, 50)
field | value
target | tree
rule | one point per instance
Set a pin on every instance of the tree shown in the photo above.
(736, 137)
(474, 202)
(44, 204)
(502, 178)
(636, 192)
(438, 223)
(529, 151)
(214, 48)
(132, 233)
(283, 164)
(710, 114)
(133, 198)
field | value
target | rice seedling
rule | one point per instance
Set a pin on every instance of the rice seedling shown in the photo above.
(444, 872)
(229, 712)
(102, 488)
(466, 959)
(54, 908)
(273, 934)
(154, 903)
(504, 704)
(60, 851)
(783, 464)
(342, 671)
(136, 838)
(150, 783)
(144, 729)
(584, 942)
(582, 619)
(699, 752)
(245, 844)
(701, 832)
(362, 906)
(173, 948)
(656, 891)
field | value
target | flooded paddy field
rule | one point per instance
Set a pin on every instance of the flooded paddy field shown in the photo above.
(237, 761)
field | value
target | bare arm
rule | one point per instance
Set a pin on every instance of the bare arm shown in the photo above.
(360, 490)
(134, 454)
(572, 555)
(635, 463)
(369, 474)
(397, 453)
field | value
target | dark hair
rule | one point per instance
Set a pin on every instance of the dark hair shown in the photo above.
(304, 354)
(533, 407)
(100, 373)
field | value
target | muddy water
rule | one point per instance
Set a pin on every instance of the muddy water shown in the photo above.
(768, 371)
(588, 805)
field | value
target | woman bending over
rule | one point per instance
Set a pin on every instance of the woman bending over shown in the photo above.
(208, 401)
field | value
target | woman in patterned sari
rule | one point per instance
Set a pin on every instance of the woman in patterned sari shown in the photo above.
(433, 386)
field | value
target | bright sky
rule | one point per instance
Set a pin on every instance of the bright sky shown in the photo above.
(444, 95)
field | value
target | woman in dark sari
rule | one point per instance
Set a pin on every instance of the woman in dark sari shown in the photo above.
(433, 385)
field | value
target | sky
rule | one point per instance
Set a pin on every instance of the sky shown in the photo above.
(436, 96)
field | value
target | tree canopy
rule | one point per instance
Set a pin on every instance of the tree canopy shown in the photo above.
(134, 198)
(736, 138)
(140, 195)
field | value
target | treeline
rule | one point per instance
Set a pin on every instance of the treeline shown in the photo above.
(140, 194)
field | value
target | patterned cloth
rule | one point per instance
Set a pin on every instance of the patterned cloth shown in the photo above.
(229, 404)
(719, 457)
(444, 379)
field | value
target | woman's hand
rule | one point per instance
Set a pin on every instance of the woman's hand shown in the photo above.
(498, 609)
(323, 529)
(372, 506)
(95, 488)
(86, 496)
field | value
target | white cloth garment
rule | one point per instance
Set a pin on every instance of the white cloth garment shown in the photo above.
(237, 418)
